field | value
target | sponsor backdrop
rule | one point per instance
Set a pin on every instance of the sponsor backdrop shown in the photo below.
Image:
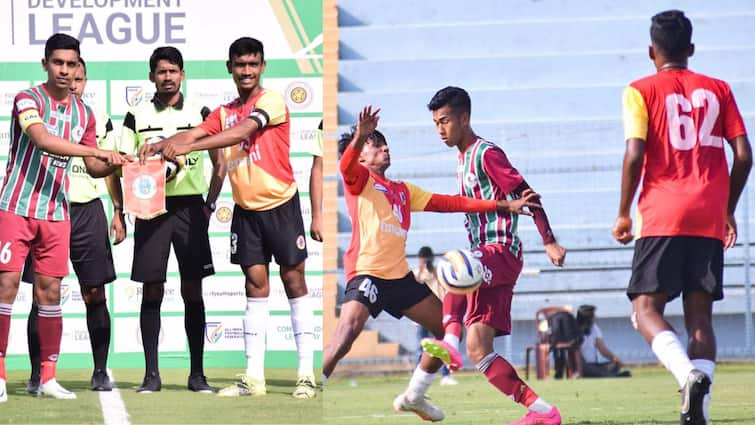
(117, 38)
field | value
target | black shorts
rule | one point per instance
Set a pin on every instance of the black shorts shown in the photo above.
(90, 251)
(677, 265)
(185, 227)
(257, 236)
(392, 295)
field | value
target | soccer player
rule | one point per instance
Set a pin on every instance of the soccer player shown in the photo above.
(315, 187)
(254, 130)
(675, 123)
(89, 250)
(484, 172)
(185, 224)
(48, 125)
(375, 265)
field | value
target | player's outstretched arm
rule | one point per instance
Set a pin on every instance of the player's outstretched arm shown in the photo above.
(355, 174)
(183, 138)
(58, 146)
(630, 179)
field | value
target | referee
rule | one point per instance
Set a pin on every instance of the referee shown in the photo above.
(185, 224)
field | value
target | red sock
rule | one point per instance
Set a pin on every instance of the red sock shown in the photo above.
(503, 376)
(5, 310)
(50, 331)
(454, 307)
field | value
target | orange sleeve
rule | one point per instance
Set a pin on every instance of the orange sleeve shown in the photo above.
(212, 124)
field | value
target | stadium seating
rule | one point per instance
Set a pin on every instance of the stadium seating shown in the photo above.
(546, 80)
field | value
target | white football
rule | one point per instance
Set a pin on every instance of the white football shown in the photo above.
(172, 168)
(459, 271)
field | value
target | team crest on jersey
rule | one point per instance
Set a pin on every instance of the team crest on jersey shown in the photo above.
(134, 95)
(301, 243)
(397, 212)
(230, 121)
(77, 133)
(470, 179)
(380, 188)
(145, 187)
(487, 274)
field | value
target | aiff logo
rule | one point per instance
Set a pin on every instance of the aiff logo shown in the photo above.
(65, 293)
(134, 95)
(213, 331)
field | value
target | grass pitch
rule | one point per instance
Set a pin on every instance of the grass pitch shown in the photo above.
(649, 397)
(173, 405)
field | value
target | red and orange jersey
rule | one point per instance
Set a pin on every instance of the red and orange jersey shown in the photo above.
(259, 168)
(684, 119)
(380, 211)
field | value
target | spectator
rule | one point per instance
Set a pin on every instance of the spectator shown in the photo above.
(592, 344)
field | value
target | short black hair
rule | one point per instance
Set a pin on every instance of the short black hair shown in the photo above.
(83, 65)
(345, 139)
(671, 33)
(586, 317)
(168, 53)
(246, 46)
(425, 252)
(455, 97)
(61, 41)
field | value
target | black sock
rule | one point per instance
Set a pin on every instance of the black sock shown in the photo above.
(98, 323)
(32, 338)
(149, 320)
(194, 324)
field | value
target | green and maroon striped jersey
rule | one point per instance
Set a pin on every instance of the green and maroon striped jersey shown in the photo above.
(36, 183)
(484, 172)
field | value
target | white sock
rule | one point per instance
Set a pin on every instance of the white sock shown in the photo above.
(709, 368)
(672, 354)
(255, 328)
(540, 406)
(303, 325)
(420, 381)
(452, 339)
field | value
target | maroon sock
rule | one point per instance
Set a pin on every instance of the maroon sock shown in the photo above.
(502, 375)
(5, 310)
(454, 308)
(50, 332)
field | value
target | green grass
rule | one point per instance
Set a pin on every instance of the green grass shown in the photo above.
(173, 405)
(650, 397)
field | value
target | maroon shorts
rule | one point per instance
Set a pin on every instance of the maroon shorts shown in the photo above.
(491, 303)
(48, 242)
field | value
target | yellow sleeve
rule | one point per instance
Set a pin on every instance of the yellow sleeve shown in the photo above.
(128, 142)
(418, 197)
(316, 148)
(273, 105)
(635, 114)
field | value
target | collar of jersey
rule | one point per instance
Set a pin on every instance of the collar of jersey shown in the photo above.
(160, 105)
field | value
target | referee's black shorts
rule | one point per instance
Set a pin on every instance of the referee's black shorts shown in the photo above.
(185, 227)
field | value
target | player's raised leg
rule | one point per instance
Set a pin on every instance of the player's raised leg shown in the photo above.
(447, 349)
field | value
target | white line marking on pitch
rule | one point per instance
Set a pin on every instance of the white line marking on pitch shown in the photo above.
(113, 410)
